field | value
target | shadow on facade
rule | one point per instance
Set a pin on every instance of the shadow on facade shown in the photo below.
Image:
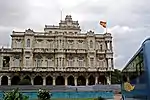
(71, 80)
(81, 81)
(49, 80)
(60, 80)
(15, 80)
(91, 80)
(4, 80)
(38, 80)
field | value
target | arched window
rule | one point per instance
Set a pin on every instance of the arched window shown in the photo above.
(91, 44)
(70, 61)
(81, 61)
(28, 42)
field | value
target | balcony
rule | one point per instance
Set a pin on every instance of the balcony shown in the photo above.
(70, 51)
(17, 49)
(63, 69)
(81, 50)
(15, 69)
(91, 69)
(109, 51)
(109, 55)
(5, 68)
(76, 69)
(43, 50)
(100, 51)
(39, 69)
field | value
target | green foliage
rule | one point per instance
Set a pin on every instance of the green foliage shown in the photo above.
(116, 77)
(25, 82)
(43, 95)
(15, 95)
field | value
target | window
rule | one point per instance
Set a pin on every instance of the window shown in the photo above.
(70, 62)
(92, 61)
(6, 61)
(16, 63)
(28, 42)
(27, 62)
(38, 62)
(81, 61)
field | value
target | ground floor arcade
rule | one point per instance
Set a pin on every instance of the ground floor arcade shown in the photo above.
(56, 78)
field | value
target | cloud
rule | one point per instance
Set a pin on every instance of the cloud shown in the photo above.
(13, 13)
(126, 42)
(128, 20)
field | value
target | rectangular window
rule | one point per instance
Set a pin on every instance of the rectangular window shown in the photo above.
(38, 62)
(27, 62)
(92, 62)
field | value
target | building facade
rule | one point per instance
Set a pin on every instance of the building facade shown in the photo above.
(61, 55)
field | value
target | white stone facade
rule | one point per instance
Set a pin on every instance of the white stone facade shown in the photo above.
(60, 54)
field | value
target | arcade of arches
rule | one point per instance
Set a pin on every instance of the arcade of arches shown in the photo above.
(57, 80)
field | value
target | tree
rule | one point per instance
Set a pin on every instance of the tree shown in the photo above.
(116, 77)
(15, 95)
(43, 95)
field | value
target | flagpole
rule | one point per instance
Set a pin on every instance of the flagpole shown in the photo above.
(106, 26)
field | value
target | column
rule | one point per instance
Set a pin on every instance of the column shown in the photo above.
(106, 45)
(54, 81)
(44, 81)
(66, 81)
(87, 81)
(108, 80)
(107, 63)
(0, 80)
(9, 81)
(44, 61)
(75, 81)
(111, 45)
(96, 80)
(112, 65)
(32, 82)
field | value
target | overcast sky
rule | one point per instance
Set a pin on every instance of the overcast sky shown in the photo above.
(128, 20)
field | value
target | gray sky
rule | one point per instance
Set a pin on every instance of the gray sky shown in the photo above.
(128, 20)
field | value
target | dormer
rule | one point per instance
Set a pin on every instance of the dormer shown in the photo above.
(69, 24)
(29, 32)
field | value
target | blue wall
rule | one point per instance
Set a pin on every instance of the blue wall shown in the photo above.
(33, 95)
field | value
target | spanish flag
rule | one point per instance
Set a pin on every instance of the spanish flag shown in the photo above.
(103, 23)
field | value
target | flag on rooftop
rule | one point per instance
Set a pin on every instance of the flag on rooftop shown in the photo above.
(103, 24)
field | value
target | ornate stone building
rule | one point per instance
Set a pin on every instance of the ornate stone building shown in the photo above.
(61, 55)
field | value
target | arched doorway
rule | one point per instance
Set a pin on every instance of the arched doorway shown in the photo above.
(60, 80)
(102, 80)
(70, 80)
(38, 80)
(81, 81)
(15, 80)
(27, 78)
(4, 80)
(25, 81)
(91, 80)
(49, 80)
